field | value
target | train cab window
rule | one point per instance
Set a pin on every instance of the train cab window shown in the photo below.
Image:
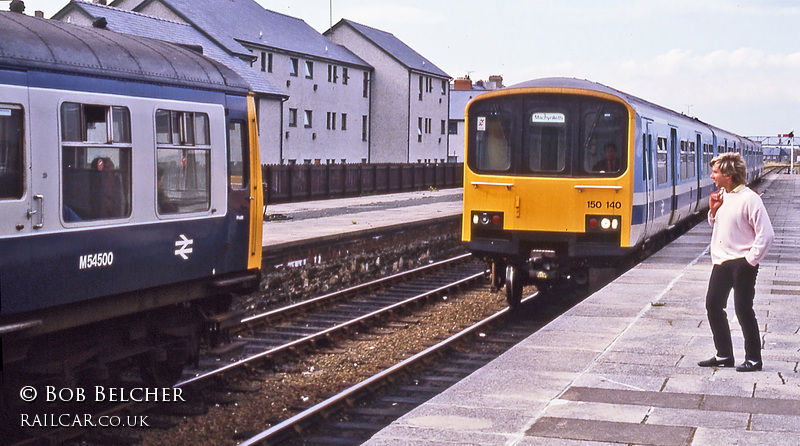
(183, 173)
(11, 152)
(96, 162)
(547, 142)
(492, 142)
(604, 131)
(237, 156)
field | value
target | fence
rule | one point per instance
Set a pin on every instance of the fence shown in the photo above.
(301, 182)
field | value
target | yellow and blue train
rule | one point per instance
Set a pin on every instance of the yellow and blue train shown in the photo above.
(130, 201)
(563, 174)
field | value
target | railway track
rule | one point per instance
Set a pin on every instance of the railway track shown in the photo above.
(353, 415)
(301, 328)
(302, 325)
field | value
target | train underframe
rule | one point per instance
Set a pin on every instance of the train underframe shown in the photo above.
(147, 336)
(549, 265)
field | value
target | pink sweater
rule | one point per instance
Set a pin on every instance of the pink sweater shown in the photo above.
(741, 228)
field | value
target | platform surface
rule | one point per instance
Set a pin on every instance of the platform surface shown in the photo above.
(293, 222)
(621, 367)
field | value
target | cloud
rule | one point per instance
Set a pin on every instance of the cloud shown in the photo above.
(389, 16)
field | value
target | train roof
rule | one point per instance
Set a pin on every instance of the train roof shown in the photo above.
(34, 43)
(565, 82)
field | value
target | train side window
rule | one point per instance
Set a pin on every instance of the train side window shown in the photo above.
(96, 162)
(661, 161)
(11, 152)
(237, 156)
(684, 162)
(183, 171)
(492, 144)
(691, 164)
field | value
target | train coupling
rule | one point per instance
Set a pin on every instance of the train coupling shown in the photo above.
(217, 326)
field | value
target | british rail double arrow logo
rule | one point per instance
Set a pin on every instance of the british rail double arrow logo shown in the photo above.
(184, 246)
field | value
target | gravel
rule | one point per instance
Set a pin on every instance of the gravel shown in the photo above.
(289, 388)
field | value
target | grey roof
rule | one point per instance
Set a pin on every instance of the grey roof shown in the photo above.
(128, 22)
(395, 48)
(31, 42)
(232, 22)
(459, 100)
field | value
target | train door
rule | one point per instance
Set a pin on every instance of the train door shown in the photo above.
(698, 170)
(648, 177)
(674, 160)
(19, 211)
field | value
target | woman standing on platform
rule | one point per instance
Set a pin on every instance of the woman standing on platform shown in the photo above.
(741, 235)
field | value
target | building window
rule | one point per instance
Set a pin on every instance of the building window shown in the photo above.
(263, 61)
(421, 80)
(331, 121)
(333, 73)
(293, 66)
(443, 126)
(444, 87)
(345, 75)
(344, 121)
(308, 122)
(364, 128)
(366, 85)
(419, 123)
(269, 63)
(292, 117)
(453, 127)
(309, 69)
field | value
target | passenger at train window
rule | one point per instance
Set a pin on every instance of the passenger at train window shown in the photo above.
(165, 205)
(611, 161)
(106, 188)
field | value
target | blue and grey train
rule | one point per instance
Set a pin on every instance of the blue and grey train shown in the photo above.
(130, 201)
(562, 174)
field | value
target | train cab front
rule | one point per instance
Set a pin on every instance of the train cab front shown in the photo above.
(547, 185)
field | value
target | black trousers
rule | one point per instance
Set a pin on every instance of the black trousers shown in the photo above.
(741, 277)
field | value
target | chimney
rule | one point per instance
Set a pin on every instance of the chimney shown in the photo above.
(462, 83)
(39, 14)
(497, 79)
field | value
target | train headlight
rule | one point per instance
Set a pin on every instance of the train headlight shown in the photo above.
(603, 223)
(487, 223)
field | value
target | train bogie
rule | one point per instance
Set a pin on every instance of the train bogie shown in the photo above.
(563, 175)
